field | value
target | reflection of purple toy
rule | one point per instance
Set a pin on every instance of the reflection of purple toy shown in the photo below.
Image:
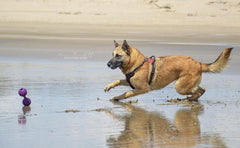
(23, 92)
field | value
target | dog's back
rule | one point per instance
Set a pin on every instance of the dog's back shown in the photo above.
(170, 68)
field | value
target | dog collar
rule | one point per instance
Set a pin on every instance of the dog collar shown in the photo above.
(131, 74)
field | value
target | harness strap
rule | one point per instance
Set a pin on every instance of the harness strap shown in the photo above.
(128, 80)
(131, 74)
(152, 60)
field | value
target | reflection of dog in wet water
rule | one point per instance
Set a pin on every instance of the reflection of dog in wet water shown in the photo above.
(144, 75)
(151, 129)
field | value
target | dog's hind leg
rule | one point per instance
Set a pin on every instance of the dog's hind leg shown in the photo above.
(130, 93)
(189, 85)
(116, 83)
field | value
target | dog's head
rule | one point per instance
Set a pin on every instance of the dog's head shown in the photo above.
(121, 55)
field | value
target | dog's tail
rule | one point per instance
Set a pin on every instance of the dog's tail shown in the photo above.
(220, 62)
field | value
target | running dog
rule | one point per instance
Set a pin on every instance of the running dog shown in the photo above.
(146, 74)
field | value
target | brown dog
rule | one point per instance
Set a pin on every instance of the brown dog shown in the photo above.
(143, 75)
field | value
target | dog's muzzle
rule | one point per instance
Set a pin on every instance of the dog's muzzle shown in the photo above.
(110, 65)
(113, 64)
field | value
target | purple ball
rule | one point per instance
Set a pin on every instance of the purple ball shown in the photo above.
(22, 92)
(26, 101)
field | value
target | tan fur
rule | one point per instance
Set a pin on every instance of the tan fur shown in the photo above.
(220, 63)
(186, 71)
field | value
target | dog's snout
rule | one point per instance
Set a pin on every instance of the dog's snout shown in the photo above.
(113, 64)
(109, 64)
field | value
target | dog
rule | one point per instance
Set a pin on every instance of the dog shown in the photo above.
(144, 75)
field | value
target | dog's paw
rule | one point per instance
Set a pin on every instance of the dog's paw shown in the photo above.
(113, 99)
(107, 88)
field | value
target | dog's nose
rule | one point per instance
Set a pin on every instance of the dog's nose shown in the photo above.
(109, 64)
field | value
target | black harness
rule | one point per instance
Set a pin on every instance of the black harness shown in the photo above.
(131, 74)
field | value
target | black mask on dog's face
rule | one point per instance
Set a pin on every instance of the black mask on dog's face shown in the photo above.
(119, 55)
(115, 62)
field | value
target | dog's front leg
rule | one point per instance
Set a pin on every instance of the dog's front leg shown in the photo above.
(130, 93)
(116, 83)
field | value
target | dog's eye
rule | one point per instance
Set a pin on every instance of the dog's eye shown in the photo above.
(118, 56)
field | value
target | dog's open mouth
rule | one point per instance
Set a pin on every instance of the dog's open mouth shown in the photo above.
(114, 66)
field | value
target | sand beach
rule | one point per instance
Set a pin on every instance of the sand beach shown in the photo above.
(58, 51)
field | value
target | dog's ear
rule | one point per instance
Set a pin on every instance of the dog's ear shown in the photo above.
(115, 43)
(125, 46)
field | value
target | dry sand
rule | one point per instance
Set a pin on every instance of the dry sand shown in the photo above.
(123, 12)
(215, 21)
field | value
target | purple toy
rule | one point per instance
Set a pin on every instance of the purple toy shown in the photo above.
(23, 92)
(26, 101)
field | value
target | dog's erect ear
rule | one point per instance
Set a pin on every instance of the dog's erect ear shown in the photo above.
(116, 44)
(125, 45)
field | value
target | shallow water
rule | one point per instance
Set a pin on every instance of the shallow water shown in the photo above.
(71, 74)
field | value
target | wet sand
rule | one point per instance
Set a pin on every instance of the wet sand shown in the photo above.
(65, 69)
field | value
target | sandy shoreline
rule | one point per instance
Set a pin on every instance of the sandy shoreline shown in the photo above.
(162, 33)
(65, 74)
(58, 50)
